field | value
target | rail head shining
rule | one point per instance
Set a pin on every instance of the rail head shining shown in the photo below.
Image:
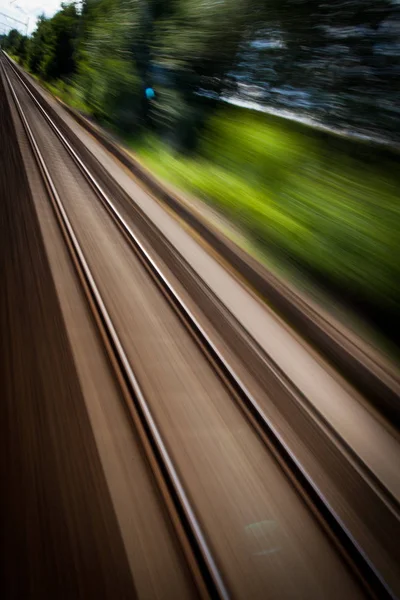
(311, 493)
(213, 585)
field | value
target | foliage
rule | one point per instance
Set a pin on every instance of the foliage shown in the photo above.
(107, 76)
(11, 42)
(339, 61)
(328, 206)
(50, 52)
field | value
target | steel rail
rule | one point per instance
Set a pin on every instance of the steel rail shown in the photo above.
(310, 492)
(208, 576)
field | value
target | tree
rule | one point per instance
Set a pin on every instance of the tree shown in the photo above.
(107, 77)
(341, 59)
(22, 51)
(337, 60)
(64, 31)
(12, 41)
(194, 47)
(40, 47)
(52, 49)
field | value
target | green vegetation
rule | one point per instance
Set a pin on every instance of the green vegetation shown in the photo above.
(68, 93)
(325, 204)
(329, 206)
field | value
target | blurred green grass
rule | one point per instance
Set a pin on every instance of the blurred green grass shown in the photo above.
(325, 204)
(68, 93)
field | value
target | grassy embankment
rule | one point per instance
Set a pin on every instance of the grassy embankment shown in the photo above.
(320, 203)
(326, 205)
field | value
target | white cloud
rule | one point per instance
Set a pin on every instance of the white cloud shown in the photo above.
(25, 13)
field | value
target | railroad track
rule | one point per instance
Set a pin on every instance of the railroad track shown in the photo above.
(209, 577)
(367, 373)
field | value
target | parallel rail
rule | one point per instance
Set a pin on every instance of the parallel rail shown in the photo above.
(373, 379)
(200, 558)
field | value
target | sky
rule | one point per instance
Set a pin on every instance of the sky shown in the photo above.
(22, 10)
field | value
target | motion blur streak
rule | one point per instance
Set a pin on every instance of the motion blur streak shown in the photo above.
(250, 149)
